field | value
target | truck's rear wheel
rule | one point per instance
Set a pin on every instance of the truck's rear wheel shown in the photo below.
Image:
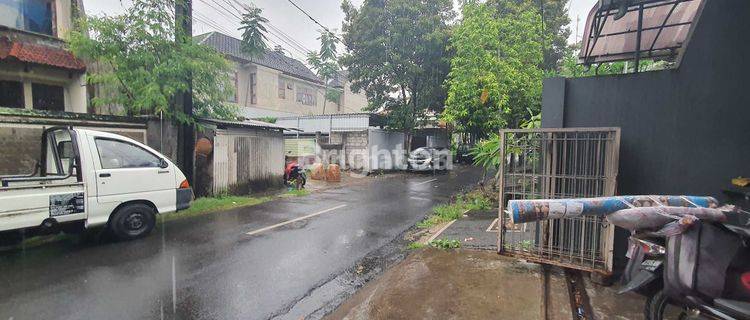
(132, 221)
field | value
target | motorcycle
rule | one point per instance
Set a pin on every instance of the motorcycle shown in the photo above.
(702, 273)
(294, 176)
(688, 257)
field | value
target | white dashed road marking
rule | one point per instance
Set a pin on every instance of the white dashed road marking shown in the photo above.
(294, 220)
(423, 182)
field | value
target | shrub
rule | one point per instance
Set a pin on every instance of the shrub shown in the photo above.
(445, 244)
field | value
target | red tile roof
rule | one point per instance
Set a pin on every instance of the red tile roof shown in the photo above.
(39, 54)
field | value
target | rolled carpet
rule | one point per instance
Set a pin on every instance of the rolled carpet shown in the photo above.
(522, 211)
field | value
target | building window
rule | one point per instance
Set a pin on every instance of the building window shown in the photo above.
(48, 97)
(11, 94)
(233, 81)
(30, 15)
(282, 88)
(253, 88)
(306, 96)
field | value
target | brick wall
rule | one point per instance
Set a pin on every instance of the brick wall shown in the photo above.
(355, 147)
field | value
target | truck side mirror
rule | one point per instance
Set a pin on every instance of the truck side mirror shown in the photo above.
(163, 163)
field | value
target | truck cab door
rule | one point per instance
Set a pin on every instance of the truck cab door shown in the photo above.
(127, 171)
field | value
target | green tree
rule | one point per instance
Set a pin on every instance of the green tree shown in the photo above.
(495, 75)
(556, 26)
(570, 67)
(144, 68)
(253, 27)
(397, 54)
(326, 66)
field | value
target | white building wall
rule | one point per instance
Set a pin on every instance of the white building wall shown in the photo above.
(326, 123)
(352, 102)
(386, 150)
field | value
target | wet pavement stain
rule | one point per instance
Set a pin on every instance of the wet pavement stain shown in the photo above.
(457, 284)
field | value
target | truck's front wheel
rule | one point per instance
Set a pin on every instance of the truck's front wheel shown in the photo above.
(132, 221)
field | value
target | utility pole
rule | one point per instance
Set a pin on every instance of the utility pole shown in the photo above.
(184, 100)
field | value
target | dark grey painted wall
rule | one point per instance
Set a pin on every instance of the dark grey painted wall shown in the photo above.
(684, 131)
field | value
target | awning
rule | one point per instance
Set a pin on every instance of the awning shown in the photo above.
(247, 123)
(39, 54)
(664, 30)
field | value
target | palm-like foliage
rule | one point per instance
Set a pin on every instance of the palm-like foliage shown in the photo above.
(253, 32)
(328, 42)
(326, 65)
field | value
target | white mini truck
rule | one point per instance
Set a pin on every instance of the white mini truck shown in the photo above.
(88, 178)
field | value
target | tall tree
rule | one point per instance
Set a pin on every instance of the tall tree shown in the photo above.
(397, 54)
(326, 65)
(556, 26)
(495, 78)
(144, 69)
(253, 27)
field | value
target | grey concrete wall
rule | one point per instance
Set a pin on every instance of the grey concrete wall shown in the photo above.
(20, 139)
(684, 131)
(162, 136)
(20, 149)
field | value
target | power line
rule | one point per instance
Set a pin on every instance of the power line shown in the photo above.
(295, 42)
(218, 7)
(291, 41)
(276, 32)
(313, 19)
(197, 16)
(231, 4)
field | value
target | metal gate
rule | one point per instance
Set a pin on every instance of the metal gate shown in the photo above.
(558, 163)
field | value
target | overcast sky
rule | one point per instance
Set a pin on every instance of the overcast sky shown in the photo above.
(286, 18)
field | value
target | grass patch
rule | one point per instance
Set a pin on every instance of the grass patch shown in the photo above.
(451, 211)
(445, 244)
(295, 193)
(415, 246)
(208, 205)
(225, 202)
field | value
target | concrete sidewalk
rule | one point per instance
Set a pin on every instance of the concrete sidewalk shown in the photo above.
(469, 284)
(477, 230)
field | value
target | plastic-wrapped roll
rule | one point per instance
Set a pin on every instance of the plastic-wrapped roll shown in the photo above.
(656, 217)
(522, 211)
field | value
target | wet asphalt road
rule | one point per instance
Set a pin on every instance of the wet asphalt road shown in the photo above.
(208, 267)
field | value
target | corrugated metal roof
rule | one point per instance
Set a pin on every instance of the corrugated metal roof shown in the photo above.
(665, 28)
(248, 123)
(332, 122)
(233, 47)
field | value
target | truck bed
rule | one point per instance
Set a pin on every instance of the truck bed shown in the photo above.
(28, 205)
